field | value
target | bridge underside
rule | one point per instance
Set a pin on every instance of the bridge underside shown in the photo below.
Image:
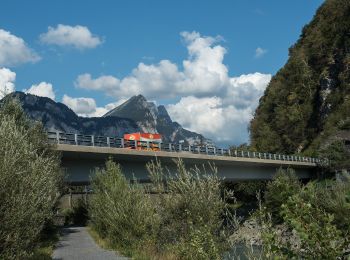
(79, 164)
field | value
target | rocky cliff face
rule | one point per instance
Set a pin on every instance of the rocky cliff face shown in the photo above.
(307, 102)
(153, 119)
(135, 115)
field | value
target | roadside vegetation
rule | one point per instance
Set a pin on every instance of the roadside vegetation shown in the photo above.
(192, 215)
(29, 184)
(182, 219)
(296, 221)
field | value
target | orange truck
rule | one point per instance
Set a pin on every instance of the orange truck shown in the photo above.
(143, 141)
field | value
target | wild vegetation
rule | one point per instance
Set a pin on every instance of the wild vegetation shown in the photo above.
(29, 182)
(189, 217)
(184, 220)
(305, 221)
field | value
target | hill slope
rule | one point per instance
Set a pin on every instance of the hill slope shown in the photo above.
(153, 119)
(135, 115)
(307, 102)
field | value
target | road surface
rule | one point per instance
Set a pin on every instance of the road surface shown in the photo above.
(77, 244)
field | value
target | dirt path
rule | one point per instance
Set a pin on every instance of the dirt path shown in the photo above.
(76, 243)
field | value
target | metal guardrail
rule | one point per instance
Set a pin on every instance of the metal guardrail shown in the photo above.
(113, 142)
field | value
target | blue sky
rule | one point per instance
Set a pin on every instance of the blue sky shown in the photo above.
(228, 40)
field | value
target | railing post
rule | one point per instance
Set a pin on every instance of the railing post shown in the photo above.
(214, 150)
(160, 146)
(169, 147)
(206, 149)
(235, 153)
(108, 142)
(180, 147)
(242, 154)
(93, 140)
(248, 154)
(229, 152)
(222, 151)
(76, 139)
(57, 137)
(122, 142)
(147, 144)
(270, 156)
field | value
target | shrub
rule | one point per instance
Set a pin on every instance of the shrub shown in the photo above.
(284, 185)
(315, 223)
(119, 211)
(77, 215)
(29, 181)
(191, 212)
(320, 238)
(334, 198)
(185, 219)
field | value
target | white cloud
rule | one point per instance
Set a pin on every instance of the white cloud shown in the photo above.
(87, 107)
(7, 79)
(14, 50)
(204, 74)
(43, 89)
(245, 90)
(77, 36)
(259, 52)
(107, 84)
(211, 101)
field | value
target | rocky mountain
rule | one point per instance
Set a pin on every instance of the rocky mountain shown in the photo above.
(134, 115)
(153, 119)
(306, 106)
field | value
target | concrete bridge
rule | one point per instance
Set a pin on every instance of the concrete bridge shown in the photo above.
(81, 154)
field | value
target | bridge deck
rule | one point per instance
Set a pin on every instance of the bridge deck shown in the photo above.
(78, 151)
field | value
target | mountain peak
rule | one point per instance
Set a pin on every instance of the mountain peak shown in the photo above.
(153, 119)
(133, 108)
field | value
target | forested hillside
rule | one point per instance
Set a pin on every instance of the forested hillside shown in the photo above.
(306, 106)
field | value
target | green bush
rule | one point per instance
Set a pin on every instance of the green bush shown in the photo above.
(319, 237)
(334, 198)
(191, 212)
(317, 218)
(284, 185)
(119, 211)
(29, 182)
(77, 215)
(184, 219)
